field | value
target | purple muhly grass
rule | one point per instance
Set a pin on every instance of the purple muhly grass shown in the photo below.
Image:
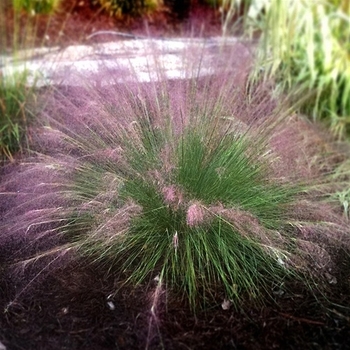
(243, 220)
(105, 195)
(169, 194)
(109, 191)
(308, 253)
(319, 222)
(303, 149)
(248, 225)
(108, 154)
(166, 156)
(314, 255)
(33, 198)
(116, 223)
(172, 196)
(195, 215)
(107, 229)
(156, 177)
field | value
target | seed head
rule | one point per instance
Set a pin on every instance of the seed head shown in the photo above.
(195, 215)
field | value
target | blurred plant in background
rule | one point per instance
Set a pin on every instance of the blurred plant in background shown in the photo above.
(121, 8)
(305, 46)
(18, 34)
(36, 6)
(15, 98)
(309, 47)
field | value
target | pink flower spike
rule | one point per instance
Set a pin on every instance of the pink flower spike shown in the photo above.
(169, 194)
(195, 215)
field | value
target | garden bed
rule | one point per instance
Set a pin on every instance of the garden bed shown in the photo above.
(53, 297)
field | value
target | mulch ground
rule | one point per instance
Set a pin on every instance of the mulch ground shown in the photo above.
(70, 309)
(77, 306)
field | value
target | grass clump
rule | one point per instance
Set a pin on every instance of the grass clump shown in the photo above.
(175, 181)
(184, 197)
(197, 228)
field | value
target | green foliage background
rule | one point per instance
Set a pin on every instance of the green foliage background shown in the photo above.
(120, 8)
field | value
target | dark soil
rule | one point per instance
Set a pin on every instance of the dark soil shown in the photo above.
(79, 306)
(69, 310)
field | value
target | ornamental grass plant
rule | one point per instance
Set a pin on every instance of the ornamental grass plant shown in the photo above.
(190, 204)
(304, 46)
(177, 181)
